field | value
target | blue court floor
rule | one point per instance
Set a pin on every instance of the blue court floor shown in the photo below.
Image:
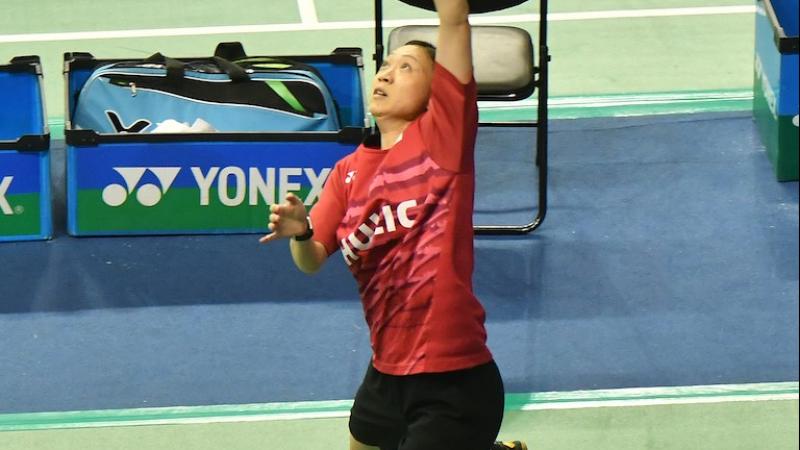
(668, 257)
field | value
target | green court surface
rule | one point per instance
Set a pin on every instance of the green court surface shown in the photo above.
(746, 417)
(687, 49)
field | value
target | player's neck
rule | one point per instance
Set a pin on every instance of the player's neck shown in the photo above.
(391, 131)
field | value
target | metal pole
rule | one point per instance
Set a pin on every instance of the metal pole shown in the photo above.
(541, 138)
(378, 56)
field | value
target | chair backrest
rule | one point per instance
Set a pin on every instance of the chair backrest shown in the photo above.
(502, 58)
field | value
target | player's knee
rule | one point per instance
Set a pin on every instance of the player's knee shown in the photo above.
(355, 445)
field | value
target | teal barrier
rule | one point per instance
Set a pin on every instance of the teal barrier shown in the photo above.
(775, 96)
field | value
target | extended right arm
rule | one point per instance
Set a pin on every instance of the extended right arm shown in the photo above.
(308, 255)
(288, 220)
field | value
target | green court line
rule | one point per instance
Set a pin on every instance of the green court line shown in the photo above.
(340, 408)
(519, 402)
(612, 105)
(744, 425)
(624, 105)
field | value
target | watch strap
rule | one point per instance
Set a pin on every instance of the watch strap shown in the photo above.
(309, 231)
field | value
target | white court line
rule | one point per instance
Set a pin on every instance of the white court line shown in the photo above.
(656, 402)
(308, 11)
(219, 419)
(309, 24)
(600, 101)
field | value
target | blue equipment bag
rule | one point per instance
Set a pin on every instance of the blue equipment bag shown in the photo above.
(140, 183)
(260, 94)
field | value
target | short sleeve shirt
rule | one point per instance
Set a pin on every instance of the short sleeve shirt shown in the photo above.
(402, 219)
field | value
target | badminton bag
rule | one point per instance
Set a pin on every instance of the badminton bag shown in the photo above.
(259, 94)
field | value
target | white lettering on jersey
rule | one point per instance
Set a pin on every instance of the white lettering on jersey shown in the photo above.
(384, 221)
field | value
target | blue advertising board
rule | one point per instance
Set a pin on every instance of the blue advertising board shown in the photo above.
(25, 211)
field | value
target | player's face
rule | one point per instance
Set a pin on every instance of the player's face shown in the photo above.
(402, 86)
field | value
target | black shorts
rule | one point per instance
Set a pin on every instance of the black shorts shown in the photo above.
(453, 410)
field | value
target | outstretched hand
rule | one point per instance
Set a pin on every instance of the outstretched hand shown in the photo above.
(454, 44)
(286, 220)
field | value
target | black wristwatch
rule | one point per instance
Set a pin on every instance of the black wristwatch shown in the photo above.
(309, 231)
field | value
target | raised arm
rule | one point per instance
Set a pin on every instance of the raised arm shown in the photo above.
(454, 47)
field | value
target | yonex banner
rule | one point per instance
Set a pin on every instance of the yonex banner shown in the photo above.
(195, 187)
(24, 159)
(24, 196)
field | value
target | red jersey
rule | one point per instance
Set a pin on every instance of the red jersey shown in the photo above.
(402, 218)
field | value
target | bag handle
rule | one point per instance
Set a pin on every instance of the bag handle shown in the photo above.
(234, 52)
(230, 51)
(176, 69)
(235, 71)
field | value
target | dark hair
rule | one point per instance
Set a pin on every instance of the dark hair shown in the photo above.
(430, 48)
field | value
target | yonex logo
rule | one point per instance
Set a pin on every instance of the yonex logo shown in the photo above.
(5, 208)
(137, 126)
(236, 185)
(147, 194)
(350, 176)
